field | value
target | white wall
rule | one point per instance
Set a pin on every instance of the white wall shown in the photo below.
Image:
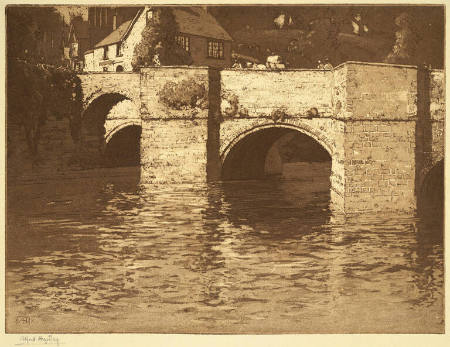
(89, 62)
(128, 46)
(133, 38)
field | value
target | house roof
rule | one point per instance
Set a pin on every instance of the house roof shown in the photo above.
(190, 20)
(116, 36)
(197, 21)
(80, 29)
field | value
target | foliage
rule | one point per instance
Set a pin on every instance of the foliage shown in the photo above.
(28, 30)
(232, 106)
(187, 93)
(37, 91)
(405, 44)
(158, 39)
(279, 115)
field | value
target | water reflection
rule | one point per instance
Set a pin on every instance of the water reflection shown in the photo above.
(228, 257)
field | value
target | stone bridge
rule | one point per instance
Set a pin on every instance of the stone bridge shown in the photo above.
(381, 125)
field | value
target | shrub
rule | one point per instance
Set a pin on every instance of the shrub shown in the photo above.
(187, 93)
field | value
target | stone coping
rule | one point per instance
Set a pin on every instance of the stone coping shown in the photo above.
(150, 68)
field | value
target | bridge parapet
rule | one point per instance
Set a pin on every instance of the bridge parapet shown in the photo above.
(174, 92)
(260, 93)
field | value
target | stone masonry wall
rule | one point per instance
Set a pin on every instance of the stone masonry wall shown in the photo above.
(97, 84)
(173, 151)
(380, 91)
(173, 141)
(437, 114)
(122, 114)
(379, 165)
(56, 151)
(261, 92)
(380, 114)
(383, 129)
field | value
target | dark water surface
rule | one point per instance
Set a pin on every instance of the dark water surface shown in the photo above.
(105, 254)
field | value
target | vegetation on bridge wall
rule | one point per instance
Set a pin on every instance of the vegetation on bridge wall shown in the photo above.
(36, 92)
(185, 94)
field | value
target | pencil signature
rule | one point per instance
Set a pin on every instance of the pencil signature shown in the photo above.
(39, 340)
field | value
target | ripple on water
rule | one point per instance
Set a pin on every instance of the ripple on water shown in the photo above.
(234, 257)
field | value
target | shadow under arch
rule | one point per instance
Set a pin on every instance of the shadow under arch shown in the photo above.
(95, 114)
(93, 127)
(246, 155)
(123, 146)
(430, 198)
(118, 128)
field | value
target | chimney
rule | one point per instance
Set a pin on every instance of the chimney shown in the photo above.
(205, 7)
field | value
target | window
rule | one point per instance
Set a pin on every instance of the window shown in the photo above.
(215, 49)
(118, 49)
(74, 49)
(150, 16)
(91, 16)
(105, 53)
(97, 17)
(183, 42)
(105, 69)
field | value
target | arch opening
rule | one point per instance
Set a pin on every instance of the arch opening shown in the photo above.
(119, 68)
(95, 115)
(278, 153)
(430, 200)
(123, 148)
(93, 127)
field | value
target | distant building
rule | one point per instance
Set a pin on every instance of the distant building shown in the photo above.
(50, 44)
(103, 20)
(77, 43)
(199, 34)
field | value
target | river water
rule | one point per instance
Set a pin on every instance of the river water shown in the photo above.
(99, 252)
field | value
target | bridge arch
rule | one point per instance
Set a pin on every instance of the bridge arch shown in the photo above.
(95, 85)
(300, 128)
(248, 155)
(116, 129)
(430, 197)
(106, 116)
(123, 145)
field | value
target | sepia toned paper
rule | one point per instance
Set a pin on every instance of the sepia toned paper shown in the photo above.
(262, 249)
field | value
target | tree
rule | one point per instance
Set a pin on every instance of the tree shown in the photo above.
(27, 29)
(404, 49)
(36, 89)
(158, 41)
